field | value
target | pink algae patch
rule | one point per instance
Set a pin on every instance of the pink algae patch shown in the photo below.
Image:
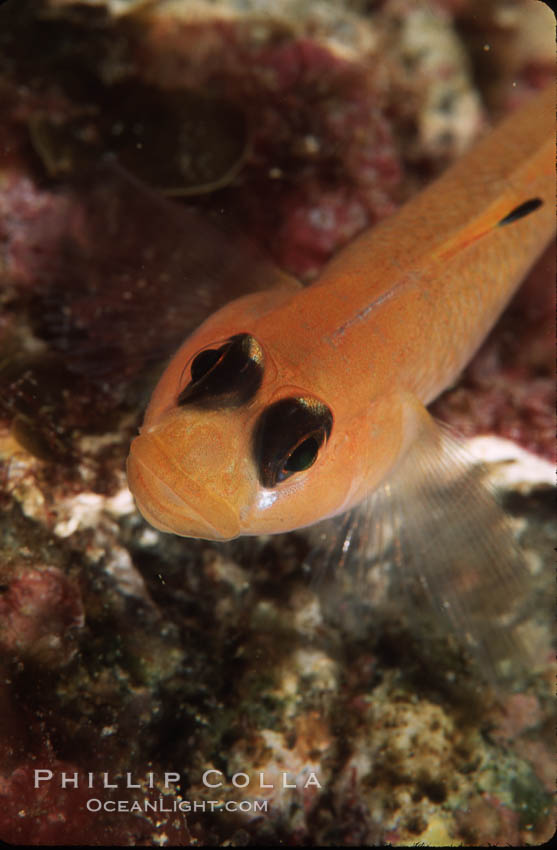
(38, 608)
(520, 712)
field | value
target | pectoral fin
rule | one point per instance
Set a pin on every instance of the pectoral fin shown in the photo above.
(437, 523)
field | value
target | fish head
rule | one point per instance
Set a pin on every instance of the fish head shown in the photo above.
(232, 446)
(246, 434)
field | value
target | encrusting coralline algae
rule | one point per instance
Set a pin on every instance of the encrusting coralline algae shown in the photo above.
(129, 651)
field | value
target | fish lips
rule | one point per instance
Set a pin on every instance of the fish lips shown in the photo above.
(172, 501)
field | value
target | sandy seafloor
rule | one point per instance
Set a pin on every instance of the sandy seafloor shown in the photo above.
(128, 654)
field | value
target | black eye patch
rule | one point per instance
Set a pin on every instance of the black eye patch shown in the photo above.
(227, 376)
(288, 436)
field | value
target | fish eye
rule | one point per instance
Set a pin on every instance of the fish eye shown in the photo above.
(204, 362)
(288, 437)
(227, 376)
(303, 456)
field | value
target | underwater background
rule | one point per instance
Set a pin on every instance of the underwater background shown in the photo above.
(132, 653)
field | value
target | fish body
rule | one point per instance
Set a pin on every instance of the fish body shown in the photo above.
(295, 404)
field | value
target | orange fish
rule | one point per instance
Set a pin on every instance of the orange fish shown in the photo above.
(296, 404)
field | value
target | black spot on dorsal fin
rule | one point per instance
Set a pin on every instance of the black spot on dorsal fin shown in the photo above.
(520, 211)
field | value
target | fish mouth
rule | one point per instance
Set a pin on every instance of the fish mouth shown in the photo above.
(173, 502)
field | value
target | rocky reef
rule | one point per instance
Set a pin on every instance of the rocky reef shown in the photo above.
(158, 690)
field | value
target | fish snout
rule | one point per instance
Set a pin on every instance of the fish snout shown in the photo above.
(179, 482)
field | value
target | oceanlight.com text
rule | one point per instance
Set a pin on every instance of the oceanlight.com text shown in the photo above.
(172, 805)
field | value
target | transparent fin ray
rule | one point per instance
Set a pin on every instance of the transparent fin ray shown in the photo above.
(437, 525)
